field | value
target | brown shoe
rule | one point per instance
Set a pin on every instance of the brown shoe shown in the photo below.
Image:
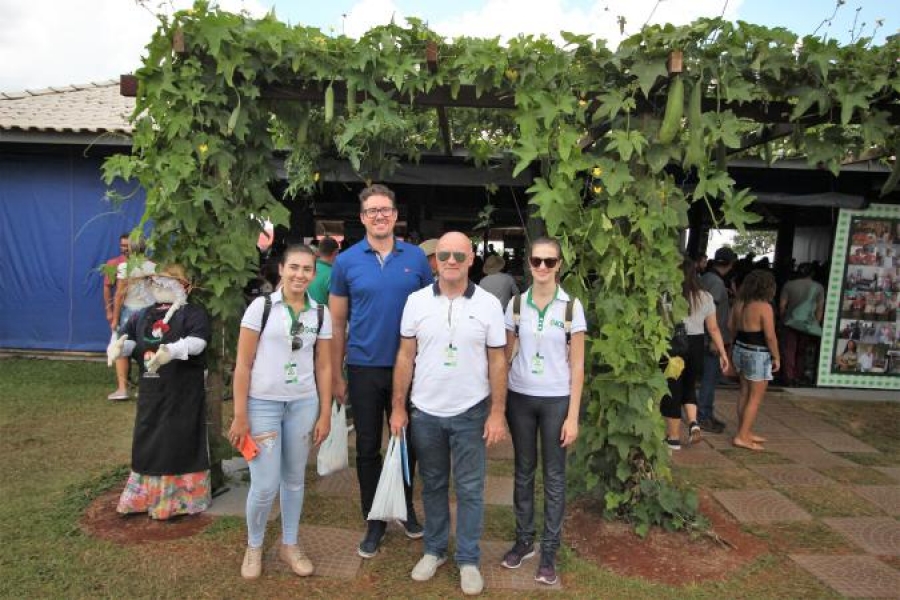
(298, 561)
(251, 568)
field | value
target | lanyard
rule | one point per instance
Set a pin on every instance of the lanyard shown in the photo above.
(451, 324)
(293, 324)
(541, 315)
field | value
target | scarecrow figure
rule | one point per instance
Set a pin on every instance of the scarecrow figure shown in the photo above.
(169, 453)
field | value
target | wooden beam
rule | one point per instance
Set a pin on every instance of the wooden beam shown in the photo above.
(466, 97)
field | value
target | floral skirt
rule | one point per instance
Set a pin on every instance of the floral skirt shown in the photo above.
(166, 496)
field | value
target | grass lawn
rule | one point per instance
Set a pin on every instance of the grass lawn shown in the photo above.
(64, 444)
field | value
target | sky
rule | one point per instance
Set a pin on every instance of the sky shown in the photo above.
(46, 43)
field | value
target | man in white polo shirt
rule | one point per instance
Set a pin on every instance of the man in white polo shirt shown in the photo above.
(452, 351)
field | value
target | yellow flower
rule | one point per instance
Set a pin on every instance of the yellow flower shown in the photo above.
(596, 172)
(582, 102)
(203, 149)
(598, 189)
(512, 74)
(316, 176)
(675, 367)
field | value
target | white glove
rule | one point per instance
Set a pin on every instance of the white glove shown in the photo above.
(114, 350)
(162, 357)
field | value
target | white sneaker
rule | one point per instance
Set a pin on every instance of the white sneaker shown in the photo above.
(470, 580)
(426, 567)
(252, 565)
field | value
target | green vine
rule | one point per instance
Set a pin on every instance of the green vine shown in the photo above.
(614, 171)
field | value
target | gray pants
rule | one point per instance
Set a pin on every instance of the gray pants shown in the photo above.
(530, 417)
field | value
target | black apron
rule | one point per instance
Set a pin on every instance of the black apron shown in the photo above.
(170, 436)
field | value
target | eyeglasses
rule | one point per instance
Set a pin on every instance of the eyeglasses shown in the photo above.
(444, 256)
(296, 341)
(384, 211)
(537, 260)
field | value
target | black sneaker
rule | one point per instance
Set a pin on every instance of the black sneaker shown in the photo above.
(368, 547)
(546, 572)
(712, 425)
(411, 526)
(518, 553)
(673, 444)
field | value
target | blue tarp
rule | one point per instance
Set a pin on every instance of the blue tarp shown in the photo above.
(56, 228)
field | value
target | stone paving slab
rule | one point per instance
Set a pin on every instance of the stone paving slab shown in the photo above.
(718, 441)
(343, 484)
(852, 576)
(760, 506)
(840, 442)
(892, 472)
(885, 497)
(501, 451)
(233, 503)
(790, 475)
(497, 577)
(499, 490)
(331, 550)
(807, 453)
(700, 456)
(875, 535)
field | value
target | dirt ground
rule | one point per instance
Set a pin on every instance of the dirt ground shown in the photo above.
(672, 558)
(101, 520)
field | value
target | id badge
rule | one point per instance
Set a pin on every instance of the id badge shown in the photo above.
(450, 356)
(537, 364)
(290, 373)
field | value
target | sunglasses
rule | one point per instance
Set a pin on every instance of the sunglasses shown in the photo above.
(296, 341)
(537, 260)
(444, 256)
(384, 211)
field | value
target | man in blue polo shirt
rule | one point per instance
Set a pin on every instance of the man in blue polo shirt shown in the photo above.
(370, 282)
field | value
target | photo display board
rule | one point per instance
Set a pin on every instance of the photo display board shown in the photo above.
(861, 332)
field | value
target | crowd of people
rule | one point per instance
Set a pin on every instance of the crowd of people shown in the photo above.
(401, 334)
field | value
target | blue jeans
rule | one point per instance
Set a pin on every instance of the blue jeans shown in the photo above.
(283, 431)
(707, 395)
(530, 418)
(459, 440)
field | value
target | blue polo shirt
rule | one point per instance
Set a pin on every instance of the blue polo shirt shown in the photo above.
(377, 294)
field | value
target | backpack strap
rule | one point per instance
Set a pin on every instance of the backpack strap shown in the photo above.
(320, 317)
(517, 312)
(567, 324)
(267, 308)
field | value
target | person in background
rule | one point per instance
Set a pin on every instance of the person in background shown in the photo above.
(794, 294)
(700, 263)
(282, 399)
(429, 247)
(713, 281)
(170, 452)
(452, 352)
(500, 284)
(683, 390)
(755, 354)
(132, 294)
(546, 377)
(370, 283)
(848, 360)
(109, 278)
(327, 253)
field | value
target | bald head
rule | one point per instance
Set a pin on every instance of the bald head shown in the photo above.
(454, 255)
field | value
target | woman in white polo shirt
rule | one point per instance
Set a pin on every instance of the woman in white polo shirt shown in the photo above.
(282, 398)
(545, 380)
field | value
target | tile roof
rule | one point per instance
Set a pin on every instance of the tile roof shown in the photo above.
(89, 108)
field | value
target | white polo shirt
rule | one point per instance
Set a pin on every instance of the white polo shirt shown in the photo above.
(268, 378)
(548, 375)
(452, 337)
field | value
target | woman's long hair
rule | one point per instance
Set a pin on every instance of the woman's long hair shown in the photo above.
(758, 286)
(690, 286)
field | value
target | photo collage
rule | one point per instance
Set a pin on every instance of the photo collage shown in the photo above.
(868, 334)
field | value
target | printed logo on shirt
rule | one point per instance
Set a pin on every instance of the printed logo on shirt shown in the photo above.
(557, 323)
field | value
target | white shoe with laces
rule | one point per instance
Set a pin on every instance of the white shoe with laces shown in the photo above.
(427, 566)
(251, 568)
(470, 580)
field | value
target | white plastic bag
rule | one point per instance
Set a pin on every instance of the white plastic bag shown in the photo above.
(333, 452)
(389, 503)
